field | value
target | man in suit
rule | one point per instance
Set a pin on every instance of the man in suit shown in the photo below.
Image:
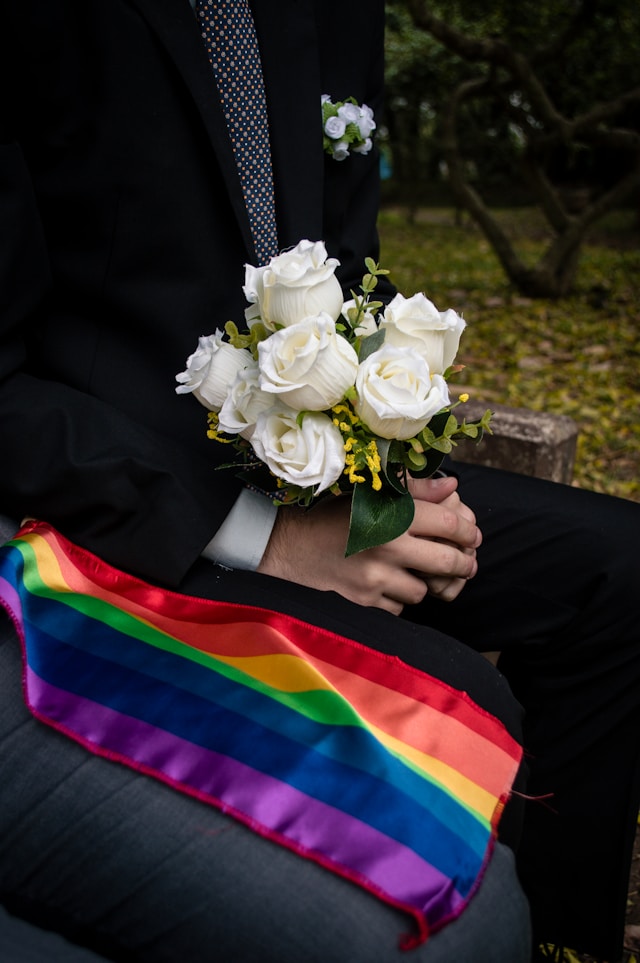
(125, 234)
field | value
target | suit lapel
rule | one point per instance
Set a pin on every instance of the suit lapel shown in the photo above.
(289, 50)
(287, 35)
(173, 23)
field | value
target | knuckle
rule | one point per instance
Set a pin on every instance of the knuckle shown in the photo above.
(452, 590)
(418, 593)
(449, 521)
(371, 579)
(450, 559)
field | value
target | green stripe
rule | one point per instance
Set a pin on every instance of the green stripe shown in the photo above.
(319, 705)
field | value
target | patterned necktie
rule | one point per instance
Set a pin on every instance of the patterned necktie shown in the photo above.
(230, 39)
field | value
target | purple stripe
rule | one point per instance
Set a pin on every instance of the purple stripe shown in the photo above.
(10, 597)
(392, 868)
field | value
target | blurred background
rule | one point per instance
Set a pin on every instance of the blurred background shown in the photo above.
(511, 192)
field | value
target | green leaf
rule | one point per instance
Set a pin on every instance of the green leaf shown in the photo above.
(370, 344)
(438, 423)
(391, 459)
(434, 460)
(450, 426)
(377, 517)
(418, 460)
(442, 444)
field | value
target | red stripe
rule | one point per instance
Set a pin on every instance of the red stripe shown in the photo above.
(250, 632)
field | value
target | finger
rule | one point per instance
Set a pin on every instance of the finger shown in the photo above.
(404, 588)
(441, 560)
(432, 489)
(442, 491)
(390, 605)
(385, 585)
(446, 589)
(444, 523)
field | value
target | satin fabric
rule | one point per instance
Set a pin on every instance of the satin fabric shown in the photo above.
(353, 759)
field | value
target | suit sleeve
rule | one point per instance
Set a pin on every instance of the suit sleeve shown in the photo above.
(92, 460)
(104, 479)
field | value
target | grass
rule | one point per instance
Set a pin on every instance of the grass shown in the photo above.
(578, 356)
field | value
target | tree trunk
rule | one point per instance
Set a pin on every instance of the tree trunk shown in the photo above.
(554, 274)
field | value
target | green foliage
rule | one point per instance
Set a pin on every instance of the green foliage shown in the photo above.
(598, 62)
(578, 356)
(377, 517)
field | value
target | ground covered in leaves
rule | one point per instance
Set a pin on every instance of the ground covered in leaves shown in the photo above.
(578, 356)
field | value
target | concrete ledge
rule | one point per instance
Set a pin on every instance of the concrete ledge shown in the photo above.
(524, 441)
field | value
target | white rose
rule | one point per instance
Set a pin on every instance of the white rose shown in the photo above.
(340, 150)
(310, 455)
(367, 325)
(363, 148)
(308, 365)
(366, 123)
(244, 402)
(211, 370)
(397, 396)
(335, 127)
(349, 113)
(416, 323)
(293, 286)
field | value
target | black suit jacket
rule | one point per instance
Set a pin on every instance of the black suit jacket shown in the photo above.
(124, 236)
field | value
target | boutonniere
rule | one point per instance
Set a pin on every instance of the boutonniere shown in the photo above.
(347, 126)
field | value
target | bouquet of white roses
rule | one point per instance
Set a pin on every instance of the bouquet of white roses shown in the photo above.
(333, 397)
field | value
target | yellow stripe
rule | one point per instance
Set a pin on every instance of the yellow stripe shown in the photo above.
(289, 673)
(49, 569)
(275, 670)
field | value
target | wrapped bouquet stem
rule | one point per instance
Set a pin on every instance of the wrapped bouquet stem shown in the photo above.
(322, 397)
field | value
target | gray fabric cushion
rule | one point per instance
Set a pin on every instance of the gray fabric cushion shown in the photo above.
(20, 942)
(8, 528)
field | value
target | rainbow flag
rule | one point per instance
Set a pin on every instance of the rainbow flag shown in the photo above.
(377, 771)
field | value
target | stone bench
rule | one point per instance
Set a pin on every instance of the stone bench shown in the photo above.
(527, 442)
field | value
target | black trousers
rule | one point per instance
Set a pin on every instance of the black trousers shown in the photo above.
(558, 594)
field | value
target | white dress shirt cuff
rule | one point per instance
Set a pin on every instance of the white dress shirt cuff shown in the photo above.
(242, 538)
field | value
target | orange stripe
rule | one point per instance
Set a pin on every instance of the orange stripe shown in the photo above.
(439, 734)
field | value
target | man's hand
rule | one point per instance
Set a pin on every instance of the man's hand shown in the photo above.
(444, 492)
(437, 553)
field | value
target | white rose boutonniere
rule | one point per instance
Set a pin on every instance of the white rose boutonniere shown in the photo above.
(347, 126)
(323, 396)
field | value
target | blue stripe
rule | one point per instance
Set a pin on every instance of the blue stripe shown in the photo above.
(197, 720)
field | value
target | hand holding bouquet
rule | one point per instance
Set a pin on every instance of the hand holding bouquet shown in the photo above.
(332, 397)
